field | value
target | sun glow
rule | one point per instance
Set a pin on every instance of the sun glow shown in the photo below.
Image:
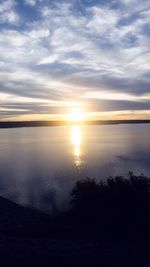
(76, 115)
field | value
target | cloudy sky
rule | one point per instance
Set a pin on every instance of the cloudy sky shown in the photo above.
(91, 54)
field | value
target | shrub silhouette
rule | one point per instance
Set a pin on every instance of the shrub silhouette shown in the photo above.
(118, 199)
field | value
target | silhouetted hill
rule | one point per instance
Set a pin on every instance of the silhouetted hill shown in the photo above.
(18, 220)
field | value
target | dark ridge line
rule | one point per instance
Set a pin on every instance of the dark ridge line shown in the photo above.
(19, 124)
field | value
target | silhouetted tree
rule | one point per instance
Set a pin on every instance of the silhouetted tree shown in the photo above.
(85, 193)
(116, 199)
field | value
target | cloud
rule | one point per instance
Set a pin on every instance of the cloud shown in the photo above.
(76, 50)
(8, 13)
(31, 2)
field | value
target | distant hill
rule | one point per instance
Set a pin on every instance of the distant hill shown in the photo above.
(17, 124)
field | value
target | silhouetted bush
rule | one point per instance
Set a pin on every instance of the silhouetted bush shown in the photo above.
(118, 199)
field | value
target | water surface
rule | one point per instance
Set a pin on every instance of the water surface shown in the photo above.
(39, 166)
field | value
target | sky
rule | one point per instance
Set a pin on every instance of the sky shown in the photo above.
(91, 55)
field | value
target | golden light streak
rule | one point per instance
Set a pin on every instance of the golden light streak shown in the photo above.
(76, 139)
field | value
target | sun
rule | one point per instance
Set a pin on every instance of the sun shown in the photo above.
(76, 115)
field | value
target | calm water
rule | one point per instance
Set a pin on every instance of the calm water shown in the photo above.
(39, 166)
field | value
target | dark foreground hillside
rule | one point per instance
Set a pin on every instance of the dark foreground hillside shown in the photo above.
(107, 225)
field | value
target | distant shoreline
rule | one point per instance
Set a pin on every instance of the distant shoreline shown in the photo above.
(19, 124)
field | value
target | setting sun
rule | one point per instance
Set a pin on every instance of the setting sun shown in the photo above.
(76, 115)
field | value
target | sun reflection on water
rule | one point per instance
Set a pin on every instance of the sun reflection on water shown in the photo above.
(76, 138)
